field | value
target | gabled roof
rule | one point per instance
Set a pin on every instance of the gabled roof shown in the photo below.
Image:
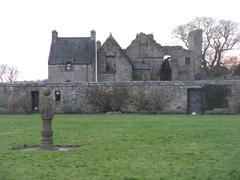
(80, 50)
(114, 42)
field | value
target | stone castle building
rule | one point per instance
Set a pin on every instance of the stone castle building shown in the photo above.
(82, 72)
(82, 59)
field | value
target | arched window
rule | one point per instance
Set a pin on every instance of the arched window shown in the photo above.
(166, 71)
(57, 95)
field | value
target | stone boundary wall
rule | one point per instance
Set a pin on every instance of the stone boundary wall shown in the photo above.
(129, 83)
(172, 96)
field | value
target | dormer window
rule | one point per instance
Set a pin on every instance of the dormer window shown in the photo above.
(69, 66)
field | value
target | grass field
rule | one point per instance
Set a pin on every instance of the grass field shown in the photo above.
(127, 147)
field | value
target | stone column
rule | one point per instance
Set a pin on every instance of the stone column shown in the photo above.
(47, 114)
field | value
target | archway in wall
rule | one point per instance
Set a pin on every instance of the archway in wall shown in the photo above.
(166, 71)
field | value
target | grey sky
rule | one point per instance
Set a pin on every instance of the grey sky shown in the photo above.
(26, 25)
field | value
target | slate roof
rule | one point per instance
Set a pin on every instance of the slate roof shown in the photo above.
(77, 50)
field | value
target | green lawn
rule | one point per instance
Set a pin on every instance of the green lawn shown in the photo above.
(127, 147)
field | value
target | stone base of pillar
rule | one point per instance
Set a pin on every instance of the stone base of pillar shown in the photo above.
(47, 133)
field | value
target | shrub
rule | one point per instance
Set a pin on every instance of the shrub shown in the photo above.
(3, 110)
(142, 103)
(107, 100)
(173, 111)
(215, 96)
(150, 103)
(220, 111)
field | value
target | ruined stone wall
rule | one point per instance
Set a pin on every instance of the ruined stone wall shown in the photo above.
(145, 49)
(180, 69)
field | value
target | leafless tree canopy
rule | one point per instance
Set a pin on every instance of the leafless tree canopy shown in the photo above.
(3, 69)
(230, 62)
(218, 37)
(8, 73)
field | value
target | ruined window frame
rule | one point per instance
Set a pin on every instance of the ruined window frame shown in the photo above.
(109, 60)
(166, 70)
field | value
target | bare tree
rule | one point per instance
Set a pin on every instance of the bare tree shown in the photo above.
(218, 38)
(3, 69)
(11, 73)
(8, 73)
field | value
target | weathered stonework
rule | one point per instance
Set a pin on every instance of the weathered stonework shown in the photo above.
(79, 73)
(80, 59)
(113, 64)
(144, 49)
(154, 78)
(173, 95)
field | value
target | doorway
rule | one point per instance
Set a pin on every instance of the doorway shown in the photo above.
(195, 101)
(35, 101)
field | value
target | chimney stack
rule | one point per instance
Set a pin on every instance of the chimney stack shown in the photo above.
(54, 35)
(93, 35)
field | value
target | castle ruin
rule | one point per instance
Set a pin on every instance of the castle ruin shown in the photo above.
(86, 76)
(82, 59)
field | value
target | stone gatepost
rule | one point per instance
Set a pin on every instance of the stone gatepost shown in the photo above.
(47, 114)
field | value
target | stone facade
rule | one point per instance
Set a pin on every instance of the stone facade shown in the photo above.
(113, 63)
(85, 60)
(72, 59)
(82, 73)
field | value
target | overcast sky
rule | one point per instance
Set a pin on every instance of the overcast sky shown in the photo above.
(26, 25)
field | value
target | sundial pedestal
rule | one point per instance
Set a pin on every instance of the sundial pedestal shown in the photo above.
(47, 114)
(47, 133)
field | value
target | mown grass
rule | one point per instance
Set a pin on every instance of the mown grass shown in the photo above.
(123, 147)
